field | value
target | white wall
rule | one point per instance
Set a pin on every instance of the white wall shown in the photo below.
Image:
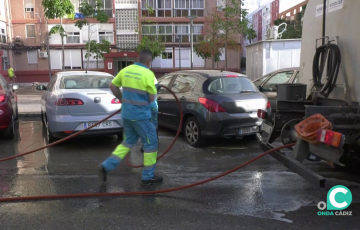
(106, 27)
(2, 8)
(185, 58)
(267, 56)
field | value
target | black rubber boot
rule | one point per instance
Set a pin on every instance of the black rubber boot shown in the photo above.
(102, 174)
(155, 180)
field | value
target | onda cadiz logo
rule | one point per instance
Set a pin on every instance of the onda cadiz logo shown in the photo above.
(339, 198)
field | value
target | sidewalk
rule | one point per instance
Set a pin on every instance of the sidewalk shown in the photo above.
(29, 101)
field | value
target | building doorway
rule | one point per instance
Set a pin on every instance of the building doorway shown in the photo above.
(122, 63)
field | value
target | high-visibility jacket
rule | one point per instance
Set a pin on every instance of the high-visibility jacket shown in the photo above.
(138, 83)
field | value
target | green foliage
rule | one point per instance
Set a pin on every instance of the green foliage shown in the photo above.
(204, 50)
(152, 43)
(58, 8)
(97, 50)
(294, 28)
(58, 29)
(89, 11)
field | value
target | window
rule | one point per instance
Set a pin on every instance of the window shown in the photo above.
(259, 81)
(165, 32)
(233, 85)
(165, 80)
(183, 31)
(197, 29)
(2, 36)
(85, 82)
(183, 84)
(108, 9)
(278, 78)
(73, 37)
(5, 59)
(30, 31)
(185, 8)
(160, 8)
(167, 55)
(32, 57)
(107, 36)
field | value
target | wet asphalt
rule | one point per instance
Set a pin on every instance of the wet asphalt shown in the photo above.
(263, 195)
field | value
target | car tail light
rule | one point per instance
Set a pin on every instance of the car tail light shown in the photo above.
(232, 75)
(211, 105)
(262, 114)
(68, 101)
(115, 101)
(268, 105)
(2, 98)
(329, 137)
(67, 132)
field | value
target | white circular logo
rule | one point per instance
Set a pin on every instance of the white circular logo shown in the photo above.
(321, 205)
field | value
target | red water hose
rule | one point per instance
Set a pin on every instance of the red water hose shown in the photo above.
(66, 196)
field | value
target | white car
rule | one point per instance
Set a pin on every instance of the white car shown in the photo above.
(75, 100)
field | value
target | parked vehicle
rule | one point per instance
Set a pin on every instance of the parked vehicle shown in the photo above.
(8, 108)
(267, 84)
(73, 101)
(215, 104)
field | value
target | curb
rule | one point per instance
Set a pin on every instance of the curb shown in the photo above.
(29, 115)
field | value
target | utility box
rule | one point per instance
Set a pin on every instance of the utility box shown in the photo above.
(267, 56)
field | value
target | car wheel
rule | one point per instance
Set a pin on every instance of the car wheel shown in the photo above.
(193, 132)
(49, 136)
(10, 131)
(17, 112)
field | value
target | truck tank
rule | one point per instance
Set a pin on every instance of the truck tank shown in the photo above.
(342, 19)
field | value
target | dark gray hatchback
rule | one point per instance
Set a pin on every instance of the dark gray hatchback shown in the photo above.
(215, 104)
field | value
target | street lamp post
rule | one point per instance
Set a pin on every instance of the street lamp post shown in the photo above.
(178, 37)
(191, 18)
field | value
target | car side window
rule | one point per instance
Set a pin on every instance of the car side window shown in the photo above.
(165, 80)
(183, 83)
(259, 81)
(276, 79)
(296, 79)
(51, 84)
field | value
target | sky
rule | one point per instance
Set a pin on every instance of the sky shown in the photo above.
(252, 5)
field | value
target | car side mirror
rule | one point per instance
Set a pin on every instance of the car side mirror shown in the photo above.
(40, 87)
(15, 87)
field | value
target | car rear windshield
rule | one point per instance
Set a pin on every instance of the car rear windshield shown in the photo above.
(232, 85)
(85, 82)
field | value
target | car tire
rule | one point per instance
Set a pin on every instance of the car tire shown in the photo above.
(17, 112)
(10, 131)
(192, 132)
(50, 137)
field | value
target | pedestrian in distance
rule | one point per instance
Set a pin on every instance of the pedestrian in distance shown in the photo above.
(11, 74)
(138, 92)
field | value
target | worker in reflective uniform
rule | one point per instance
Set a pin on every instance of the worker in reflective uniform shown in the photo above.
(138, 84)
(154, 115)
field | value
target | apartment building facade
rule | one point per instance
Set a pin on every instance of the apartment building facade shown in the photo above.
(24, 31)
(290, 13)
(263, 18)
(168, 20)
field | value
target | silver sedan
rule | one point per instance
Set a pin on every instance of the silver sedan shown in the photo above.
(75, 100)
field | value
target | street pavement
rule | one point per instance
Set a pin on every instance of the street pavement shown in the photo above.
(263, 195)
(29, 100)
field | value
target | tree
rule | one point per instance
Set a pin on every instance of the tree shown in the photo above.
(233, 21)
(294, 28)
(154, 43)
(204, 50)
(250, 34)
(58, 9)
(97, 50)
(88, 11)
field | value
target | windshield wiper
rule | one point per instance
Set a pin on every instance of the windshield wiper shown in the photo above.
(248, 91)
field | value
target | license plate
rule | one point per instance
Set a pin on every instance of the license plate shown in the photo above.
(266, 128)
(103, 125)
(247, 130)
